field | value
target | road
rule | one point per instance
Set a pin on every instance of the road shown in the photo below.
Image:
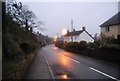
(67, 65)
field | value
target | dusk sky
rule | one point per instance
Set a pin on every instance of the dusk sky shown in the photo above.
(58, 15)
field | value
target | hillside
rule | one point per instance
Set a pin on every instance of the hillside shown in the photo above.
(18, 50)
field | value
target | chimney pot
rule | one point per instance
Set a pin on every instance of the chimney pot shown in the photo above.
(74, 30)
(67, 31)
(83, 28)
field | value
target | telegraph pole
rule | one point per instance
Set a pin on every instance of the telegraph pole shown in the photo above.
(57, 35)
(72, 30)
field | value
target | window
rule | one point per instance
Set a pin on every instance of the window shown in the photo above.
(107, 29)
(75, 37)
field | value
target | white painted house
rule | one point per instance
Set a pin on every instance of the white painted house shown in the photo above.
(77, 36)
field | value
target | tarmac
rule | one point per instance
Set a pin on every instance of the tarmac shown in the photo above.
(39, 68)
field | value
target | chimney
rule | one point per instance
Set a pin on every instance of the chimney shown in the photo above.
(73, 30)
(67, 31)
(83, 28)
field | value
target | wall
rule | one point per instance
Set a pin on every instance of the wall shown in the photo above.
(67, 38)
(76, 38)
(84, 36)
(113, 31)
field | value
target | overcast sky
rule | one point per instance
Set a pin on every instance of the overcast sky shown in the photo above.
(58, 15)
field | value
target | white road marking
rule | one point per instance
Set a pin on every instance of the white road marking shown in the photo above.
(69, 58)
(49, 68)
(104, 74)
(96, 70)
(74, 60)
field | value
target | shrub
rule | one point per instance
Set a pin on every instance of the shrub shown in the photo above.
(75, 44)
(59, 44)
(13, 50)
(81, 46)
(111, 46)
(97, 43)
(114, 41)
(92, 45)
(70, 44)
(27, 47)
(83, 42)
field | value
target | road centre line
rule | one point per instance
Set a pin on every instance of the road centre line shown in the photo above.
(97, 70)
(74, 60)
(69, 58)
(49, 68)
(104, 74)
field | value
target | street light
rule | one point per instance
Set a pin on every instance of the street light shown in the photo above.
(55, 38)
(64, 31)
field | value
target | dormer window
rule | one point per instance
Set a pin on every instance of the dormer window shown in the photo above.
(107, 29)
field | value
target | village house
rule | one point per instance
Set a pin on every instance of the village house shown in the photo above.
(77, 36)
(111, 28)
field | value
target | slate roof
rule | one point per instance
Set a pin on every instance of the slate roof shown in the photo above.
(74, 33)
(115, 20)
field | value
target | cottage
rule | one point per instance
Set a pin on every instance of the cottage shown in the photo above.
(111, 28)
(76, 36)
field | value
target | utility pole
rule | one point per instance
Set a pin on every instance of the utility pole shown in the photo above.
(72, 30)
(71, 25)
(58, 35)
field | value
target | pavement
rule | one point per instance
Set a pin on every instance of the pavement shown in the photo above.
(39, 68)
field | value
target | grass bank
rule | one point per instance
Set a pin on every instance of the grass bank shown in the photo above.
(18, 51)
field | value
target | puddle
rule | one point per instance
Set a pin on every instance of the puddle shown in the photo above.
(65, 75)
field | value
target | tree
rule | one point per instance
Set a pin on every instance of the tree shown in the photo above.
(39, 24)
(13, 9)
(22, 15)
(27, 18)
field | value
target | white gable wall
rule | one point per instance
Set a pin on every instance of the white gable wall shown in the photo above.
(84, 36)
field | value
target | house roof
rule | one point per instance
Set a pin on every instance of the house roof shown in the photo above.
(74, 33)
(89, 35)
(78, 33)
(115, 20)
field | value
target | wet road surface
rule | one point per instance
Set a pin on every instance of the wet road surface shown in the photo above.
(67, 65)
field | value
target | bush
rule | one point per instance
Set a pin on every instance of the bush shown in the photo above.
(75, 45)
(81, 46)
(97, 43)
(11, 50)
(68, 45)
(92, 45)
(27, 47)
(111, 46)
(59, 44)
(83, 42)
(113, 41)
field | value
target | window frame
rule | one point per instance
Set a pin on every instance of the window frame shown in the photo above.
(107, 29)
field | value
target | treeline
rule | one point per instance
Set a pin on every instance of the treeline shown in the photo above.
(19, 40)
